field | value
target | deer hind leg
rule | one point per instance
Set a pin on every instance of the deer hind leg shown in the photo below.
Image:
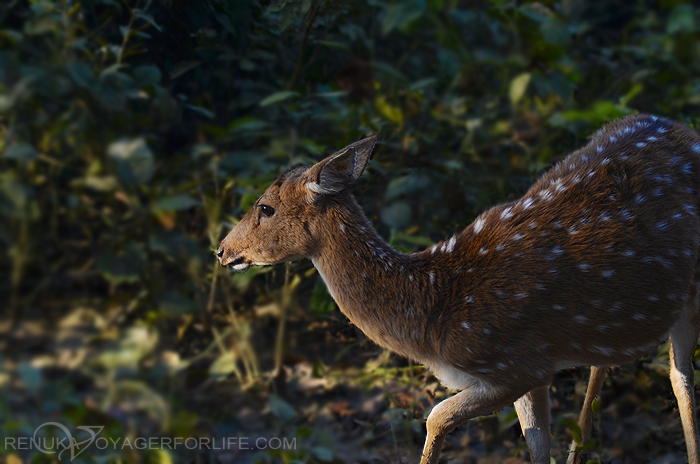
(586, 420)
(684, 338)
(533, 414)
(474, 401)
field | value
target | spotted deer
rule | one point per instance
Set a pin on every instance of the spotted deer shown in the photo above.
(595, 265)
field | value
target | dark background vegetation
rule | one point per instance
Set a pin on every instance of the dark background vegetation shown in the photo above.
(135, 133)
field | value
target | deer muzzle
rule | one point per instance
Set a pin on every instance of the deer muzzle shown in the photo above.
(228, 258)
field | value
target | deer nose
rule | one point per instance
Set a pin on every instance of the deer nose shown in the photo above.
(220, 252)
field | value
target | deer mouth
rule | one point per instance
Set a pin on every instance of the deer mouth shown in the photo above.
(239, 264)
(235, 262)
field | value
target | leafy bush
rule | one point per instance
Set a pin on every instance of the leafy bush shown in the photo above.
(134, 134)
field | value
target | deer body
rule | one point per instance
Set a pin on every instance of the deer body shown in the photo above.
(595, 265)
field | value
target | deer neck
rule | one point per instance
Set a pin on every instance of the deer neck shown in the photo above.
(386, 294)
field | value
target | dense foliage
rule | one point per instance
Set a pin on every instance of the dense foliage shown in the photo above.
(134, 133)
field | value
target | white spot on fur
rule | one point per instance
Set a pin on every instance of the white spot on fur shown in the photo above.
(507, 213)
(479, 225)
(469, 299)
(341, 226)
(467, 325)
(581, 319)
(608, 273)
(483, 251)
(432, 277)
(518, 236)
(451, 244)
(546, 195)
(527, 203)
(584, 267)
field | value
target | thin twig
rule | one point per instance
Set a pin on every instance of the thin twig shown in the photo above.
(310, 17)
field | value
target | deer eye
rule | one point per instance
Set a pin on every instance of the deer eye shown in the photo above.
(267, 211)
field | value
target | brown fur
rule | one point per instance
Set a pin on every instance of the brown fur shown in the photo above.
(595, 265)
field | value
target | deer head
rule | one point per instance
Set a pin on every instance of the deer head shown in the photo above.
(286, 223)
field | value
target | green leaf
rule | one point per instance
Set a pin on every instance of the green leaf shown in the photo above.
(175, 202)
(158, 456)
(41, 25)
(413, 182)
(81, 74)
(202, 111)
(681, 19)
(281, 408)
(518, 86)
(176, 304)
(136, 162)
(31, 377)
(15, 198)
(535, 11)
(97, 183)
(397, 215)
(183, 67)
(321, 301)
(573, 427)
(389, 71)
(147, 75)
(12, 35)
(599, 113)
(390, 112)
(146, 17)
(21, 151)
(223, 366)
(278, 97)
(555, 32)
(125, 267)
(333, 45)
(322, 453)
(202, 149)
(403, 15)
(127, 352)
(247, 123)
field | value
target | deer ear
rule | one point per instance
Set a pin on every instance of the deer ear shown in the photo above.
(338, 171)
